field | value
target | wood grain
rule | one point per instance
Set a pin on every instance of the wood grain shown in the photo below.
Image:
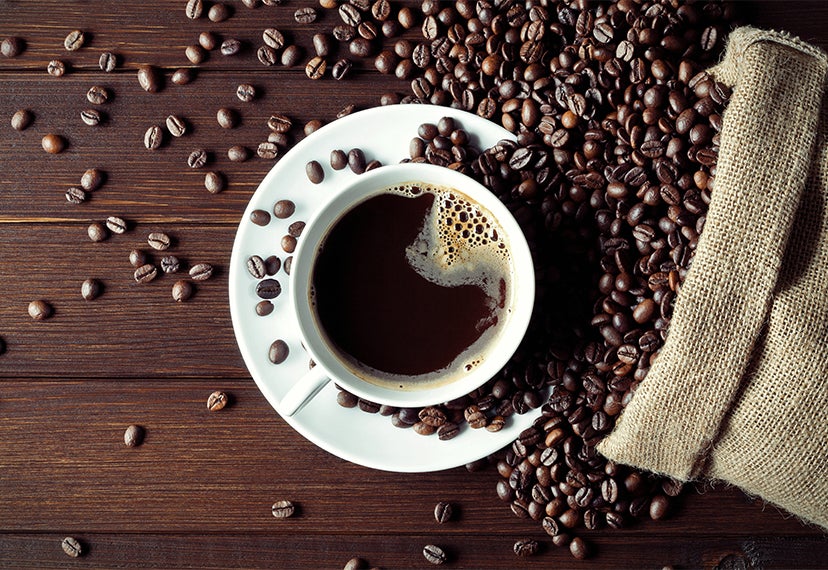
(197, 493)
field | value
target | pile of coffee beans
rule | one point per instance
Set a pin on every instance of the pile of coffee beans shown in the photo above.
(617, 134)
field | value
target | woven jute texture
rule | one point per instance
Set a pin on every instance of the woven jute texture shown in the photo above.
(739, 392)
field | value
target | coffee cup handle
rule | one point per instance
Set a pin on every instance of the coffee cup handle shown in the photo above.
(303, 391)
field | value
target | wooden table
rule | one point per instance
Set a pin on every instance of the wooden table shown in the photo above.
(198, 491)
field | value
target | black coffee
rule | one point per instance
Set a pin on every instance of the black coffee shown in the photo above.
(411, 283)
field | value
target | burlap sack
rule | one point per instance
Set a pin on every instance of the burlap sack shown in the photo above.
(739, 391)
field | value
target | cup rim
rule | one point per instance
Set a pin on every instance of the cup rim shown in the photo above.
(370, 184)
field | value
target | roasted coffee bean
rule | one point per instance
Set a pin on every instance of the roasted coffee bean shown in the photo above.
(53, 144)
(145, 273)
(273, 38)
(91, 117)
(278, 351)
(316, 67)
(355, 563)
(291, 56)
(341, 68)
(182, 76)
(71, 547)
(194, 9)
(148, 78)
(260, 217)
(153, 138)
(97, 232)
(296, 228)
(659, 505)
(339, 159)
(288, 244)
(315, 172)
(201, 272)
(526, 547)
(11, 47)
(214, 182)
(56, 68)
(443, 512)
(218, 12)
(256, 266)
(182, 290)
(268, 289)
(74, 40)
(92, 179)
(195, 54)
(578, 548)
(264, 308)
(267, 56)
(230, 46)
(321, 44)
(283, 509)
(159, 241)
(170, 264)
(306, 15)
(245, 92)
(217, 401)
(40, 310)
(116, 225)
(279, 123)
(356, 160)
(208, 40)
(21, 119)
(133, 436)
(227, 118)
(197, 158)
(176, 126)
(434, 554)
(284, 209)
(137, 258)
(75, 195)
(272, 265)
(432, 416)
(267, 150)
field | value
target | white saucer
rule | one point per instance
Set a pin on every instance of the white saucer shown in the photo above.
(383, 133)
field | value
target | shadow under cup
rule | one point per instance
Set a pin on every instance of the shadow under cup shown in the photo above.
(441, 233)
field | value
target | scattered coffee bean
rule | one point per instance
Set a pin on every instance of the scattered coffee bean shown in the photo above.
(56, 68)
(526, 547)
(341, 68)
(182, 76)
(272, 265)
(339, 159)
(288, 244)
(273, 38)
(159, 241)
(238, 153)
(148, 78)
(170, 264)
(227, 118)
(296, 228)
(434, 554)
(288, 264)
(245, 92)
(197, 158)
(74, 40)
(218, 12)
(264, 308)
(356, 160)
(133, 436)
(116, 225)
(145, 273)
(443, 512)
(108, 62)
(230, 46)
(137, 258)
(279, 123)
(92, 179)
(91, 289)
(291, 55)
(267, 150)
(195, 54)
(306, 15)
(176, 126)
(267, 56)
(71, 547)
(316, 67)
(321, 44)
(194, 9)
(153, 138)
(268, 289)
(283, 509)
(578, 548)
(214, 182)
(97, 95)
(53, 144)
(40, 310)
(21, 119)
(256, 266)
(355, 563)
(91, 117)
(315, 172)
(11, 47)
(75, 195)
(283, 209)
(97, 231)
(182, 290)
(216, 401)
(260, 217)
(201, 272)
(208, 40)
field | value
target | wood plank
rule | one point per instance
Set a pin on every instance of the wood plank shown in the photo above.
(284, 548)
(63, 465)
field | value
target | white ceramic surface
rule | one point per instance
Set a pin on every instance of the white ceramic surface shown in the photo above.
(383, 133)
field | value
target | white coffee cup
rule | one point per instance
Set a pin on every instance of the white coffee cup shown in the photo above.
(330, 366)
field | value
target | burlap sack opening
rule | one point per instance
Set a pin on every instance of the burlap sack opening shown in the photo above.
(739, 391)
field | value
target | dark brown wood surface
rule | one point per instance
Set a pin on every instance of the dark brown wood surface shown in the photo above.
(198, 492)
